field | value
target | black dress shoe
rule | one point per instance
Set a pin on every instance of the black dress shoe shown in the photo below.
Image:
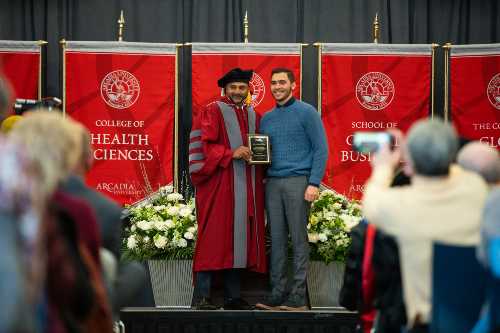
(205, 303)
(236, 304)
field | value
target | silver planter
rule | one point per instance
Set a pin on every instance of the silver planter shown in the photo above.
(172, 282)
(324, 283)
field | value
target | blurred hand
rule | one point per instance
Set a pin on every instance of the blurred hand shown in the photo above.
(312, 193)
(242, 153)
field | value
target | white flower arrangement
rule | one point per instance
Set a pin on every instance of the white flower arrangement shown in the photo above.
(331, 218)
(162, 226)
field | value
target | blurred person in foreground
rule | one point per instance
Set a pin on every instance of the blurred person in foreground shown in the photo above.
(20, 213)
(73, 289)
(124, 279)
(372, 278)
(489, 256)
(482, 159)
(485, 160)
(442, 203)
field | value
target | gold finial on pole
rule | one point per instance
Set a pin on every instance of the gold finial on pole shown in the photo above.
(245, 27)
(376, 29)
(121, 25)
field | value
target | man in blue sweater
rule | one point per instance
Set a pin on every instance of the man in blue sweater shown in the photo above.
(299, 153)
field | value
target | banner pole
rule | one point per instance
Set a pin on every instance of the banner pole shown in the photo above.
(176, 120)
(41, 44)
(320, 47)
(433, 77)
(300, 72)
(302, 45)
(63, 48)
(446, 48)
(376, 29)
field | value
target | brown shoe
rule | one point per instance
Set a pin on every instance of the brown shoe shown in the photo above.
(294, 308)
(294, 303)
(270, 303)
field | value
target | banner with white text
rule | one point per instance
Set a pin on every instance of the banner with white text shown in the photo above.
(20, 63)
(368, 87)
(475, 92)
(124, 93)
(210, 61)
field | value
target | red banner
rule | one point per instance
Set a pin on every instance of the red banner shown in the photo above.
(124, 93)
(368, 87)
(20, 63)
(475, 92)
(211, 61)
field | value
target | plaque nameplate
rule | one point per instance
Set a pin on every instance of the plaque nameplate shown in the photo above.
(260, 147)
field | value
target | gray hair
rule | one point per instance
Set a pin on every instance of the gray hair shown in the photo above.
(482, 159)
(51, 143)
(433, 146)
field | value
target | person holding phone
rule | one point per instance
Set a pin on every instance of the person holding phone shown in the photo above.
(443, 203)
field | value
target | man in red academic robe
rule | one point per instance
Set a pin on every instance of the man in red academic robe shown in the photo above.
(229, 192)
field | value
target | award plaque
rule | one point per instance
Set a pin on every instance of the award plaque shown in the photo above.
(260, 148)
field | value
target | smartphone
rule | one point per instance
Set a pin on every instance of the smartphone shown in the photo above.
(369, 142)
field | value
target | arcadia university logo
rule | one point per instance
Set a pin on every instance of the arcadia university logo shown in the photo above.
(120, 89)
(258, 88)
(375, 91)
(493, 91)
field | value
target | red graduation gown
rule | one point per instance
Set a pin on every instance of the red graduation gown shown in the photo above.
(211, 170)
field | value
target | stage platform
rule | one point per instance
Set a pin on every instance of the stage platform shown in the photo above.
(162, 320)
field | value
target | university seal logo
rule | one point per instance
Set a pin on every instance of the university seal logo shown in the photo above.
(120, 89)
(375, 91)
(258, 89)
(493, 91)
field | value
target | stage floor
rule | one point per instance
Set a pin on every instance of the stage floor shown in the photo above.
(156, 320)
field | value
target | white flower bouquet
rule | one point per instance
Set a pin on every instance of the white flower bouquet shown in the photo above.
(162, 226)
(331, 218)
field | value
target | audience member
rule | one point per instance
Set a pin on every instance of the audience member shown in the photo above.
(442, 203)
(17, 209)
(15, 206)
(129, 277)
(372, 278)
(74, 287)
(482, 159)
(489, 256)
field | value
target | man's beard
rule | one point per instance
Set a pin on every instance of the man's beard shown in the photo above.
(241, 98)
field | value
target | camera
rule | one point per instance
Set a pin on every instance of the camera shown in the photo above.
(369, 142)
(22, 105)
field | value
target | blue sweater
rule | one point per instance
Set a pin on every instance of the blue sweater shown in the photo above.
(298, 141)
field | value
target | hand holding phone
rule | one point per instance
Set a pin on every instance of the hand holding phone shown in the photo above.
(370, 142)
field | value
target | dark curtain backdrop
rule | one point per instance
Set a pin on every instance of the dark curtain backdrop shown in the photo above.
(307, 21)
